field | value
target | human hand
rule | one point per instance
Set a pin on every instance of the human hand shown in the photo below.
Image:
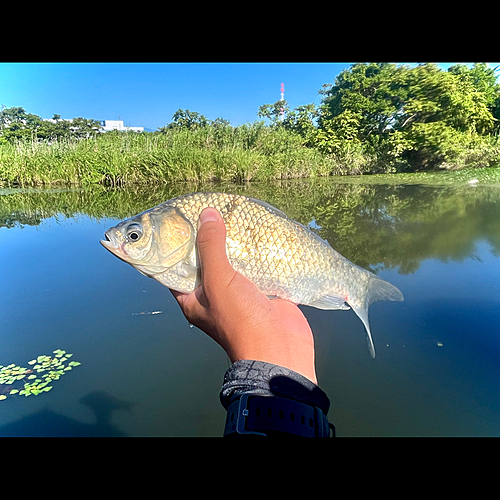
(236, 314)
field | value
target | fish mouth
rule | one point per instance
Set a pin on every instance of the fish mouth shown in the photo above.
(111, 244)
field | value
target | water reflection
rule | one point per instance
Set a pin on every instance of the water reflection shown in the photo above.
(376, 226)
(436, 368)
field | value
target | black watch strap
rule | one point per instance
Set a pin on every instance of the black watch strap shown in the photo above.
(269, 415)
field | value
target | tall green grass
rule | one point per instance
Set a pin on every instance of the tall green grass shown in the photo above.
(248, 152)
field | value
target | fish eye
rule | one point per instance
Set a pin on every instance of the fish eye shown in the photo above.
(134, 232)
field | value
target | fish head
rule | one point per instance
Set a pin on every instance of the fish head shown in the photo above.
(153, 241)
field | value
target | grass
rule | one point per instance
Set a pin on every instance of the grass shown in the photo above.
(250, 152)
(215, 153)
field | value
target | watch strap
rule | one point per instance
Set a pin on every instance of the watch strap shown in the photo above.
(272, 415)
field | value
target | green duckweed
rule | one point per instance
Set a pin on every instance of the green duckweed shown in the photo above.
(35, 379)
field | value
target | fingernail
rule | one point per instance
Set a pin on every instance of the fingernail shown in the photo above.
(209, 215)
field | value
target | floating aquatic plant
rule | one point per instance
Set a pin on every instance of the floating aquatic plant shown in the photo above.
(36, 379)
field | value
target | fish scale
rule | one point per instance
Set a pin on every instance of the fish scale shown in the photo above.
(281, 256)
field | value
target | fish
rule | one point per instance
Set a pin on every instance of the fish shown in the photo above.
(284, 258)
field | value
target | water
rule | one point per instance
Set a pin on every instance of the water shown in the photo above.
(146, 372)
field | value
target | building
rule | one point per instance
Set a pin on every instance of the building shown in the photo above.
(108, 125)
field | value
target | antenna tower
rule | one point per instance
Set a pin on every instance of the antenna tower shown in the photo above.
(282, 111)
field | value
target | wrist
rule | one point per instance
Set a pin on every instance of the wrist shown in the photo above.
(268, 379)
(274, 400)
(297, 355)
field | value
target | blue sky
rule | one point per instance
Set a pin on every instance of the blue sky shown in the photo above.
(147, 94)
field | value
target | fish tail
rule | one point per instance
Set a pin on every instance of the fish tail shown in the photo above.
(376, 289)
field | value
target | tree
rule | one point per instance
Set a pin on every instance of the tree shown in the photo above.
(82, 128)
(53, 130)
(186, 119)
(435, 95)
(15, 123)
(12, 115)
(274, 112)
(373, 93)
(302, 120)
(442, 112)
(484, 80)
(419, 115)
(220, 123)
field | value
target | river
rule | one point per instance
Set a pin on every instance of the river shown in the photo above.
(146, 372)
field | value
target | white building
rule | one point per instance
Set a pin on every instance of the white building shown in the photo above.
(108, 125)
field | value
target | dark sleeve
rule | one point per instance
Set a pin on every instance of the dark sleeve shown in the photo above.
(266, 379)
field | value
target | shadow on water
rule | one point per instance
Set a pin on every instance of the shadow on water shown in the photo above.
(46, 423)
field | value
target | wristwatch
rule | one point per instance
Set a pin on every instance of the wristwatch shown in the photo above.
(275, 416)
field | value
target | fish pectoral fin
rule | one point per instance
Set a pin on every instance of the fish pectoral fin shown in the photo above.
(187, 270)
(329, 302)
(170, 276)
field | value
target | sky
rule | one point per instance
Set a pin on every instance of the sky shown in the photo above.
(148, 94)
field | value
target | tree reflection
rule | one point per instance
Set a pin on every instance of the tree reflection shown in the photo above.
(377, 226)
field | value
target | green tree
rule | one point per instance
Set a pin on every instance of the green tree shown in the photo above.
(482, 77)
(442, 112)
(53, 130)
(186, 119)
(15, 123)
(274, 112)
(220, 123)
(338, 134)
(82, 128)
(435, 95)
(484, 80)
(302, 120)
(12, 115)
(415, 116)
(372, 93)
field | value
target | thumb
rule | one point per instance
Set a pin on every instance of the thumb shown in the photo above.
(211, 247)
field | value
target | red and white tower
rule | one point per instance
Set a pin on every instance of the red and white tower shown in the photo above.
(282, 111)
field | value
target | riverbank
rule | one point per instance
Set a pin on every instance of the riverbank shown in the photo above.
(227, 154)
(127, 158)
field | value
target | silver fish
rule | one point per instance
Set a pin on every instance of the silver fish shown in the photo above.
(281, 256)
